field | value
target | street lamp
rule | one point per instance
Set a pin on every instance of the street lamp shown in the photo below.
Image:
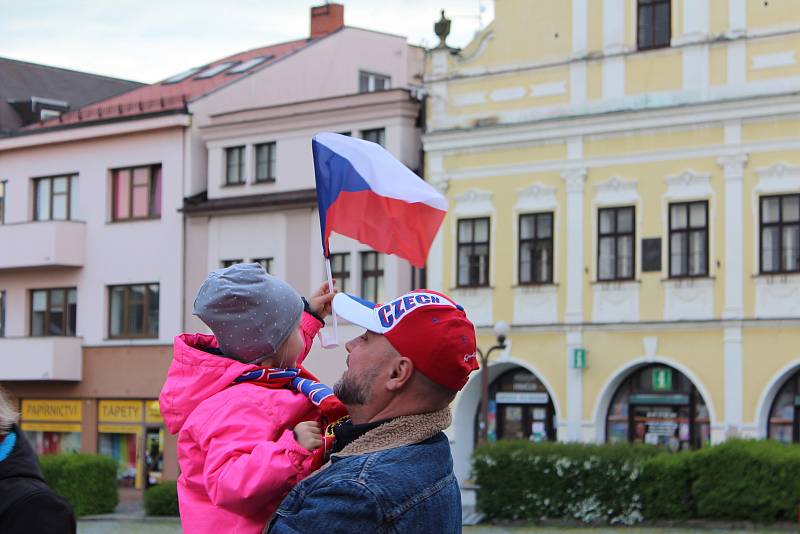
(501, 329)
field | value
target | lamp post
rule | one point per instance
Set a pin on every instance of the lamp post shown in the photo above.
(501, 329)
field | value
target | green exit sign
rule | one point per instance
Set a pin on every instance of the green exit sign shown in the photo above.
(662, 379)
(578, 358)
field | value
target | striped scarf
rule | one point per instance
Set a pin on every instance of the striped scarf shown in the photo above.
(301, 381)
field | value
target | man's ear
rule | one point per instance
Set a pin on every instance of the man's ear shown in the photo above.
(400, 374)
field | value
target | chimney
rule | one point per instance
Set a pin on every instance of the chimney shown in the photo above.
(326, 19)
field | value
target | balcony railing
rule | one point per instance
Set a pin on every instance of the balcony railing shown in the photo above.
(41, 358)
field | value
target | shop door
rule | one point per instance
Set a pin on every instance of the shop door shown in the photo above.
(153, 455)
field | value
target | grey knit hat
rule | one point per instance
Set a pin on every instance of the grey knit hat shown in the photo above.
(250, 312)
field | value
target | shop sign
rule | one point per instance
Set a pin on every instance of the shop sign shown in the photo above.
(504, 397)
(659, 400)
(662, 379)
(579, 358)
(51, 410)
(119, 411)
(50, 427)
(152, 412)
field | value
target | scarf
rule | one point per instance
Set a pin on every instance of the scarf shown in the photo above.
(301, 381)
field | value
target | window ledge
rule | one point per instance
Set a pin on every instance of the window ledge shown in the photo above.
(472, 288)
(238, 184)
(534, 287)
(608, 284)
(773, 276)
(679, 280)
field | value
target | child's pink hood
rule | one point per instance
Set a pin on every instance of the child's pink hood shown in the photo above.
(194, 376)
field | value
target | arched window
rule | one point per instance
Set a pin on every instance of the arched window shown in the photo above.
(784, 416)
(520, 407)
(660, 406)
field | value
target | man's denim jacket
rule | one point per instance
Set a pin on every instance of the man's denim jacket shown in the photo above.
(384, 482)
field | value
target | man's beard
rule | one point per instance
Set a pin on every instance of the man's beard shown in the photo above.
(354, 390)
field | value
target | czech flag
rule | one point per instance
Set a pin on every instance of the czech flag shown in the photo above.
(363, 192)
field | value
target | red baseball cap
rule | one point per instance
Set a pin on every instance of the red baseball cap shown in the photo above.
(425, 326)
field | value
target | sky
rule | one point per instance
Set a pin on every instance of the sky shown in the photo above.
(149, 40)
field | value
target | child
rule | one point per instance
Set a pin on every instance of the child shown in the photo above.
(245, 437)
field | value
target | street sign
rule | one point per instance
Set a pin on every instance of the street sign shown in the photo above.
(662, 379)
(579, 358)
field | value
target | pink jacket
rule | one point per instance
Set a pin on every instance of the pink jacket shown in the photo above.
(236, 449)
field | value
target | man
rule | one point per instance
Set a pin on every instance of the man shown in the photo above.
(27, 504)
(391, 469)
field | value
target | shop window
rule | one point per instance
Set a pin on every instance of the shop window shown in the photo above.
(54, 312)
(133, 311)
(52, 426)
(473, 252)
(654, 24)
(372, 276)
(131, 432)
(780, 234)
(536, 248)
(55, 198)
(3, 184)
(340, 270)
(658, 405)
(369, 82)
(520, 407)
(266, 154)
(234, 165)
(784, 415)
(136, 192)
(265, 263)
(377, 135)
(615, 244)
(688, 239)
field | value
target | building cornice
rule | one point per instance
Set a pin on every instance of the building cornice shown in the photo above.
(538, 131)
(200, 205)
(112, 127)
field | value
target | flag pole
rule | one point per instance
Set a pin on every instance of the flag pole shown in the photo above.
(326, 341)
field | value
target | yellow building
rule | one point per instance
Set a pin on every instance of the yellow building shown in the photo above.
(624, 186)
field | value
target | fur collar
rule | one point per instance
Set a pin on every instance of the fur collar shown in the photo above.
(399, 432)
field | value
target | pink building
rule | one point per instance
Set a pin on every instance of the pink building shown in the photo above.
(115, 213)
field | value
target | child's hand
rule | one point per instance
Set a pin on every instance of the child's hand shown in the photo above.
(320, 300)
(309, 435)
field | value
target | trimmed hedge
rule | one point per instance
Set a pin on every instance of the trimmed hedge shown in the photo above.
(737, 480)
(753, 480)
(87, 481)
(533, 481)
(162, 499)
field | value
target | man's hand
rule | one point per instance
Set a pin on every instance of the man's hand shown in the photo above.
(320, 300)
(309, 435)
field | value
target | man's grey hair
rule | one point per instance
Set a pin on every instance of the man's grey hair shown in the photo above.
(8, 415)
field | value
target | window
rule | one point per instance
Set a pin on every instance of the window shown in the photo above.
(55, 198)
(227, 263)
(265, 263)
(688, 239)
(615, 251)
(249, 64)
(372, 276)
(181, 76)
(133, 311)
(265, 162)
(53, 311)
(348, 134)
(340, 270)
(369, 82)
(536, 248)
(654, 22)
(46, 113)
(137, 193)
(473, 252)
(212, 71)
(2, 313)
(780, 234)
(2, 201)
(377, 135)
(234, 165)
